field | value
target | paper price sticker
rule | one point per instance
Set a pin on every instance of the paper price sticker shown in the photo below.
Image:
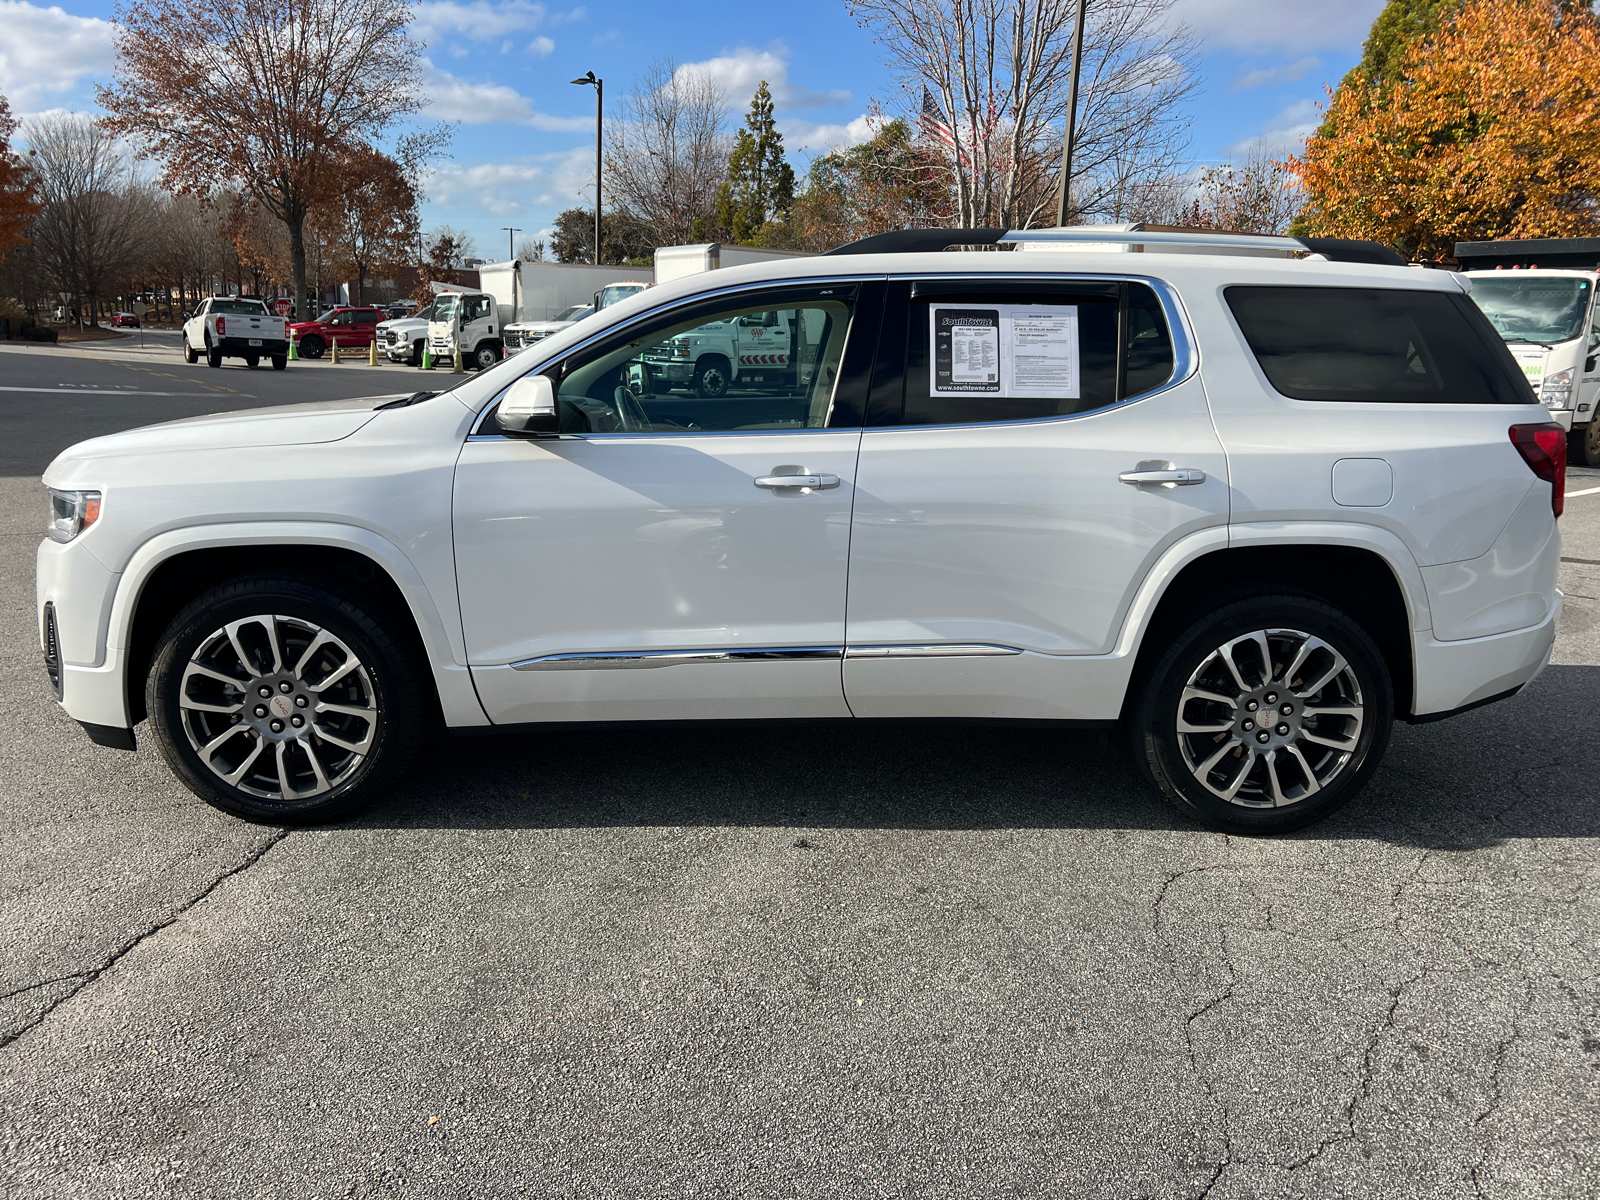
(1007, 350)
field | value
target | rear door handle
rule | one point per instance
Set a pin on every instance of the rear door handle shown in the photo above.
(798, 481)
(1179, 476)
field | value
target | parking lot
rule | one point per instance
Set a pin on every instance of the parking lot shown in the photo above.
(784, 961)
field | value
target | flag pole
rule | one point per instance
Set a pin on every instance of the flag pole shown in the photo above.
(1072, 117)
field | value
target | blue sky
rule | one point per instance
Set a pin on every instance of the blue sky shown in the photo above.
(523, 148)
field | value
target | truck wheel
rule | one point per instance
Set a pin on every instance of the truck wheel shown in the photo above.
(1264, 716)
(485, 356)
(1587, 439)
(711, 377)
(190, 354)
(252, 361)
(280, 362)
(278, 699)
(416, 353)
(213, 355)
(312, 347)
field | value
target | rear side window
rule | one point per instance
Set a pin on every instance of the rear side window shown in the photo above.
(989, 351)
(1376, 345)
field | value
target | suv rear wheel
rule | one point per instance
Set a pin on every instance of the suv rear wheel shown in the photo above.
(1264, 716)
(278, 699)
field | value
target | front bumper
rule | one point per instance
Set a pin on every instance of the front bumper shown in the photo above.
(1457, 675)
(88, 672)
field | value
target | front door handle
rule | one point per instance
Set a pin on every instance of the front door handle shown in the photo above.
(816, 482)
(1177, 476)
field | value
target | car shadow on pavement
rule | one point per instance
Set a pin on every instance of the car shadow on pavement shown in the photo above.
(1512, 770)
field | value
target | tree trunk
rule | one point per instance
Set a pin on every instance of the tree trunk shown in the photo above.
(295, 219)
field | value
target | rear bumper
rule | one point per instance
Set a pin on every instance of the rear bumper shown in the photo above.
(241, 346)
(1458, 675)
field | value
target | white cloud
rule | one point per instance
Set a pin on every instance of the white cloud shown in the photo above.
(46, 51)
(451, 98)
(806, 136)
(1285, 133)
(542, 46)
(1254, 77)
(445, 22)
(1283, 25)
(741, 71)
(521, 189)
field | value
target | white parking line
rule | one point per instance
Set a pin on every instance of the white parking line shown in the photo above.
(83, 391)
(1585, 492)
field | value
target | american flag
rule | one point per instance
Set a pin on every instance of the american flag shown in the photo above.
(933, 119)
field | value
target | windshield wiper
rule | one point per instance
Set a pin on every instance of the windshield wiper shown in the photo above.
(1522, 341)
(408, 401)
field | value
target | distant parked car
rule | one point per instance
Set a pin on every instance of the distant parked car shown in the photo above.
(353, 328)
(124, 320)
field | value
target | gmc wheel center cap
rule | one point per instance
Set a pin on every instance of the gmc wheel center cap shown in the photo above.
(281, 706)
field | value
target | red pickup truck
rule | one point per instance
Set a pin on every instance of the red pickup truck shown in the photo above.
(353, 328)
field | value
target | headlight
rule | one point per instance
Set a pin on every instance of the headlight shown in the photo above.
(71, 513)
(1557, 389)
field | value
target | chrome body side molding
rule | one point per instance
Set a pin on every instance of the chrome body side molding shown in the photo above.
(636, 660)
(940, 650)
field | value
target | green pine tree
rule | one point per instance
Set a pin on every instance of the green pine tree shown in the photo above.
(759, 188)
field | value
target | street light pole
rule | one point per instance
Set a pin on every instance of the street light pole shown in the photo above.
(511, 241)
(599, 85)
(1072, 116)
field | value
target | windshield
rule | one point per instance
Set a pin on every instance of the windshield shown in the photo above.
(444, 308)
(1533, 308)
(618, 291)
(242, 308)
(571, 314)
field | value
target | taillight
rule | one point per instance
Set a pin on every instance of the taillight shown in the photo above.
(222, 326)
(1544, 448)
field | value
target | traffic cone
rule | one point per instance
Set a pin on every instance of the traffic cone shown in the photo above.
(457, 366)
(427, 357)
(372, 354)
(335, 351)
(294, 350)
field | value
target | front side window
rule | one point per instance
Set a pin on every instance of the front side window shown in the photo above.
(989, 351)
(1383, 345)
(366, 317)
(473, 307)
(766, 362)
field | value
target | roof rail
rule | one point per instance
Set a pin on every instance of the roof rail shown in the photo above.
(1135, 237)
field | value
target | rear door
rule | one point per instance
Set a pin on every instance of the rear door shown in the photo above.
(1032, 447)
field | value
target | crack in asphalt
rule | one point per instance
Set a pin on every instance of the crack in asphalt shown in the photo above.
(43, 983)
(89, 976)
(1496, 1095)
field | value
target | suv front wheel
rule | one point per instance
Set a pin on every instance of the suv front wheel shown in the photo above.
(277, 699)
(1265, 716)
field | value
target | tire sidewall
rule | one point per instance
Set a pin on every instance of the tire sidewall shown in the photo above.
(700, 382)
(1155, 730)
(393, 680)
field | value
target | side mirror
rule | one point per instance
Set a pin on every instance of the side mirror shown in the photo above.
(529, 406)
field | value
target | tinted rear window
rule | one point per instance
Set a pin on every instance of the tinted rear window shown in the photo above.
(1377, 345)
(239, 308)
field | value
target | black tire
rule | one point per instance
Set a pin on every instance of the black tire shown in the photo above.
(711, 376)
(416, 353)
(1164, 752)
(190, 354)
(1586, 444)
(312, 347)
(252, 361)
(280, 362)
(389, 682)
(485, 355)
(213, 355)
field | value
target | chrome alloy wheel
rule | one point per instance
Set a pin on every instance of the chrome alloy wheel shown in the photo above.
(278, 708)
(1270, 718)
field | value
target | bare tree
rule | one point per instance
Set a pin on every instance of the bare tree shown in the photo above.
(996, 72)
(1257, 194)
(91, 232)
(668, 154)
(265, 95)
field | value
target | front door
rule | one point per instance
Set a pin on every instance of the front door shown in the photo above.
(670, 556)
(1039, 450)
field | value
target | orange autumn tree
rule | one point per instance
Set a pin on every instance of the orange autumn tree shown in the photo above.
(1492, 131)
(18, 203)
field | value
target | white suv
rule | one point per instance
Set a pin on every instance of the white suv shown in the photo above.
(1248, 505)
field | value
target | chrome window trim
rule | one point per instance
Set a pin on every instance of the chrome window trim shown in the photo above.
(636, 660)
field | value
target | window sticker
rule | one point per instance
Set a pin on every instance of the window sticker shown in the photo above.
(1008, 350)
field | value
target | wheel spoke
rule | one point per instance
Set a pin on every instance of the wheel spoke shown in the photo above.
(191, 703)
(322, 639)
(283, 771)
(1312, 785)
(361, 747)
(1340, 710)
(239, 772)
(1307, 646)
(1278, 798)
(350, 664)
(271, 626)
(1226, 653)
(1205, 768)
(1232, 789)
(1333, 672)
(351, 710)
(210, 747)
(316, 767)
(195, 668)
(1346, 744)
(1193, 693)
(238, 648)
(1187, 726)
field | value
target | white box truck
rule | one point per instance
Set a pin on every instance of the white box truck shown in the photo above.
(1540, 293)
(534, 292)
(674, 262)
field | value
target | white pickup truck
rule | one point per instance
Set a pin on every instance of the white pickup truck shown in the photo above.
(401, 338)
(233, 327)
(519, 335)
(757, 350)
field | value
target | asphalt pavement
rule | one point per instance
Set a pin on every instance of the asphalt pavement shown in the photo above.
(783, 962)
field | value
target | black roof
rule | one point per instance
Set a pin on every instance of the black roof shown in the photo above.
(1578, 253)
(919, 241)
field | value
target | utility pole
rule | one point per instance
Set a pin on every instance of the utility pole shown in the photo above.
(1072, 117)
(589, 80)
(511, 241)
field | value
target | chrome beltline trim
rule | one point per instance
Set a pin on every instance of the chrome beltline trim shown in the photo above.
(636, 660)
